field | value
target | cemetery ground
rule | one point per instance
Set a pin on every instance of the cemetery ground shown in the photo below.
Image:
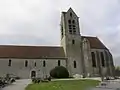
(82, 84)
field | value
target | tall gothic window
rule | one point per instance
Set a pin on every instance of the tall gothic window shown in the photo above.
(72, 27)
(44, 63)
(75, 64)
(102, 59)
(26, 63)
(58, 62)
(106, 58)
(93, 59)
(9, 63)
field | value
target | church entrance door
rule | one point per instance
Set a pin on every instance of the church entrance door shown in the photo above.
(33, 74)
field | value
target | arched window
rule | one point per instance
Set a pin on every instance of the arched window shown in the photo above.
(75, 64)
(26, 63)
(93, 59)
(58, 62)
(107, 58)
(73, 21)
(35, 64)
(44, 64)
(102, 59)
(70, 14)
(9, 63)
(69, 21)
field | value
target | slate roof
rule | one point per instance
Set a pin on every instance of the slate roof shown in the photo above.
(12, 51)
(95, 43)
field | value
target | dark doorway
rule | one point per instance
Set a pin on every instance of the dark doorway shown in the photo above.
(33, 74)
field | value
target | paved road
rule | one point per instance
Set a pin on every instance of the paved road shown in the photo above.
(18, 85)
(21, 84)
(113, 85)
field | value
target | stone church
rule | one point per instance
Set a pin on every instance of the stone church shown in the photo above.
(83, 55)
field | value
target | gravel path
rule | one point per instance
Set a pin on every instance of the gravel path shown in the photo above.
(99, 79)
(18, 85)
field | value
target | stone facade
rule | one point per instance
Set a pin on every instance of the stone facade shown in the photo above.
(82, 48)
(71, 43)
(81, 55)
(18, 67)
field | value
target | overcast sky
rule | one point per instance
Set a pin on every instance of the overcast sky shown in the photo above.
(36, 22)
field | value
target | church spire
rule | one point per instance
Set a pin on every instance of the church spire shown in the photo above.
(71, 10)
(69, 24)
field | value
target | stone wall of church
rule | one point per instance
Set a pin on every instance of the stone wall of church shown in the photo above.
(108, 69)
(71, 42)
(87, 57)
(104, 70)
(18, 67)
(74, 55)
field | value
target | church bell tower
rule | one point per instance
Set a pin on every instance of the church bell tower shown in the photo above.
(71, 41)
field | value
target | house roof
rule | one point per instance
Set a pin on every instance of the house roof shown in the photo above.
(11, 51)
(95, 43)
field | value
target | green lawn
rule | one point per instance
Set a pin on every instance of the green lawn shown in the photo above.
(63, 85)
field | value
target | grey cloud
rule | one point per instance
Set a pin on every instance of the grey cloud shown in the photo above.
(23, 40)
